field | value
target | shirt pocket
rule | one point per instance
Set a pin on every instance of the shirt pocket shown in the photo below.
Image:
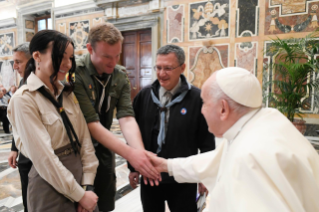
(49, 118)
(51, 122)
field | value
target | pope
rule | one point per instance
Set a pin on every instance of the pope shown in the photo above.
(263, 163)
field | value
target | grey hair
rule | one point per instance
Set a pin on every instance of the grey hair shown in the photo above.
(216, 94)
(24, 47)
(178, 51)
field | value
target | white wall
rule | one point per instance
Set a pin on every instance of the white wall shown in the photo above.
(59, 3)
(8, 12)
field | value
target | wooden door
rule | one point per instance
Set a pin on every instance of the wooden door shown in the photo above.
(137, 58)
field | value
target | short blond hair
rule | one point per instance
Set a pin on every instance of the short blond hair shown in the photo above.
(106, 32)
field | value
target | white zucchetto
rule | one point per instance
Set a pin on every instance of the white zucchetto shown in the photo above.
(240, 85)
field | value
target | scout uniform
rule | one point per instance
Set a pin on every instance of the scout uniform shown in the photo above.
(57, 174)
(98, 97)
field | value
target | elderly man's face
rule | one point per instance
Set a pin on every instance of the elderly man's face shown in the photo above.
(168, 70)
(20, 61)
(211, 109)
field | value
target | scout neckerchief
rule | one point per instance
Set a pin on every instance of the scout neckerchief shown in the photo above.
(103, 92)
(66, 121)
(163, 109)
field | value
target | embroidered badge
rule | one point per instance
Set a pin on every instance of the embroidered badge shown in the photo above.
(90, 86)
(183, 111)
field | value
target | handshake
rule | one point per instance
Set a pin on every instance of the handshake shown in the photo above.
(150, 173)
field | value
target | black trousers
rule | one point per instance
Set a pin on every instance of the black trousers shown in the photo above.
(24, 165)
(105, 179)
(180, 197)
(4, 119)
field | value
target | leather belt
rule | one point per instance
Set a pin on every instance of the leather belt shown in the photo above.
(65, 152)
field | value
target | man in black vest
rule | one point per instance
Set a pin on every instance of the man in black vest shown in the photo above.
(168, 113)
(21, 56)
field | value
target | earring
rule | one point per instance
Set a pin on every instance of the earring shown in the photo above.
(38, 66)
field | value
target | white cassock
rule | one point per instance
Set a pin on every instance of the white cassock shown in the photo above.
(262, 164)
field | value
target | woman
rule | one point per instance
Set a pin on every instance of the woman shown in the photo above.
(49, 128)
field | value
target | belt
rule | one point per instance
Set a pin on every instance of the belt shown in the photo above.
(3, 107)
(65, 152)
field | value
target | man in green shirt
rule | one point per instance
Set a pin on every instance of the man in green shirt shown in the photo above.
(100, 87)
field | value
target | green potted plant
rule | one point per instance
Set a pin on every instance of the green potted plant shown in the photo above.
(292, 81)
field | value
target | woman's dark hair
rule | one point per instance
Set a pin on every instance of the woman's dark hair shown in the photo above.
(40, 42)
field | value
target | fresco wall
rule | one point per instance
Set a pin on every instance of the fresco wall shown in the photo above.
(225, 33)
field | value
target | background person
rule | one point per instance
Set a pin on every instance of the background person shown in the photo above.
(168, 113)
(101, 87)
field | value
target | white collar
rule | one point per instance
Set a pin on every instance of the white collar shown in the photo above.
(234, 130)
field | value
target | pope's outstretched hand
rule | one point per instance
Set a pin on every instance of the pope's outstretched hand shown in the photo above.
(160, 164)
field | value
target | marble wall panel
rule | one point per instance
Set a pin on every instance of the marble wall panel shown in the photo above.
(209, 19)
(79, 32)
(29, 36)
(6, 44)
(97, 21)
(246, 56)
(291, 16)
(61, 27)
(204, 61)
(175, 23)
(247, 18)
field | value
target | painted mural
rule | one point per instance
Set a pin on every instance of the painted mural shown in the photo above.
(6, 44)
(208, 19)
(175, 23)
(79, 32)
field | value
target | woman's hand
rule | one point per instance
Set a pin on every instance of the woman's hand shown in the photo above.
(89, 200)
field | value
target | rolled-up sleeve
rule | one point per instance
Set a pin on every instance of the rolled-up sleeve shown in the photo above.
(124, 106)
(88, 158)
(25, 118)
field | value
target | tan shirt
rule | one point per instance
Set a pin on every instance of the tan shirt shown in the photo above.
(38, 130)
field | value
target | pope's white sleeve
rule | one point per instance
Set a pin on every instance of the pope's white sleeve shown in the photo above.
(198, 168)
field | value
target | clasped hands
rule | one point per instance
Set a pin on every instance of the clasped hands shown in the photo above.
(160, 165)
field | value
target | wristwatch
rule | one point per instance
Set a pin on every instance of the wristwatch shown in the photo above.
(88, 187)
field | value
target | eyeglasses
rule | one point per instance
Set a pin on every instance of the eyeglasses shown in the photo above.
(165, 69)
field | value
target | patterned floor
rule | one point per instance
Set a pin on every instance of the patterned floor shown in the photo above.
(127, 199)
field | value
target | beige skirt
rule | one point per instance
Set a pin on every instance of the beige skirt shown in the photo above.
(43, 197)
